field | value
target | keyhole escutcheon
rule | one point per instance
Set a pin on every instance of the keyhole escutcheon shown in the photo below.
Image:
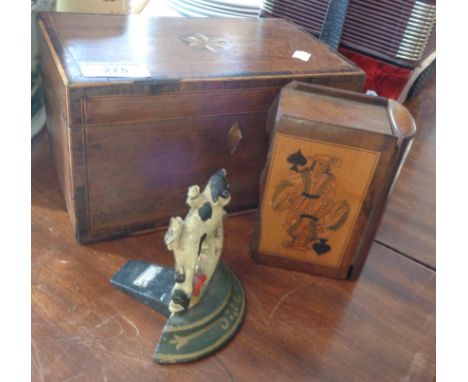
(234, 137)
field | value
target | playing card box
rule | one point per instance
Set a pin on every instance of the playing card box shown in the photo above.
(141, 108)
(334, 157)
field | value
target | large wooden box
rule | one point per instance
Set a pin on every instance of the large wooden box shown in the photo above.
(126, 149)
(333, 160)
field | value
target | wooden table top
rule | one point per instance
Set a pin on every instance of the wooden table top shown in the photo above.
(298, 327)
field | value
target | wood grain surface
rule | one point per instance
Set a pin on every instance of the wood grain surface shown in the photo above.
(409, 224)
(298, 327)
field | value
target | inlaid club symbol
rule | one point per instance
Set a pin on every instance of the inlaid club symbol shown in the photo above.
(200, 41)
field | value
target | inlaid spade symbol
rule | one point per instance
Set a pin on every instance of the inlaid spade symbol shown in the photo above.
(297, 159)
(322, 247)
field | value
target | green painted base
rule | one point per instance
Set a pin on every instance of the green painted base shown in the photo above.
(202, 330)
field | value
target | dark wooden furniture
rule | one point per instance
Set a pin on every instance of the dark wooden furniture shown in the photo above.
(298, 327)
(334, 157)
(125, 149)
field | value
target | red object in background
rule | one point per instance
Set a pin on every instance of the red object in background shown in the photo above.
(385, 79)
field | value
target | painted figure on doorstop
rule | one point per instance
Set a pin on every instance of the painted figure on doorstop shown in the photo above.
(202, 297)
(197, 240)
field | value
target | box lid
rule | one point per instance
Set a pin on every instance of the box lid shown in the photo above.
(337, 107)
(187, 49)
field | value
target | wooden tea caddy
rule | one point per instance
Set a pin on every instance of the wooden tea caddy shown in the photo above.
(333, 160)
(124, 148)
